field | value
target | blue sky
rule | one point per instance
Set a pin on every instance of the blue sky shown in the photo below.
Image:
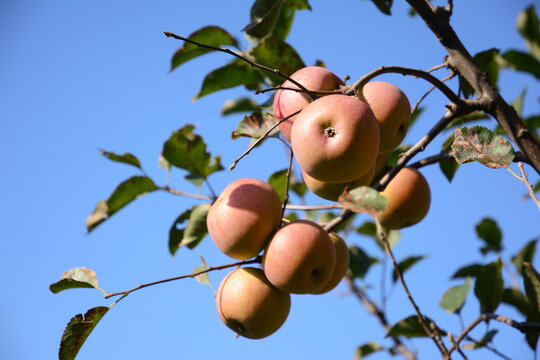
(87, 75)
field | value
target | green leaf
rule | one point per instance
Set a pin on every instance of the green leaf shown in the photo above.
(486, 339)
(77, 331)
(194, 179)
(264, 15)
(528, 26)
(203, 278)
(526, 254)
(127, 158)
(368, 228)
(449, 168)
(239, 105)
(229, 76)
(255, 125)
(521, 61)
(406, 264)
(532, 336)
(467, 271)
(286, 17)
(163, 163)
(489, 287)
(277, 54)
(278, 180)
(363, 199)
(454, 298)
(516, 298)
(359, 262)
(187, 151)
(194, 231)
(410, 327)
(489, 231)
(531, 280)
(209, 35)
(79, 277)
(367, 349)
(481, 144)
(124, 193)
(384, 6)
(487, 62)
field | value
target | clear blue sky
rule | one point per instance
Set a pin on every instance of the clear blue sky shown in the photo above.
(77, 76)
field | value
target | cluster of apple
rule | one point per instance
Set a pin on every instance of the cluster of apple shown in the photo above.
(340, 142)
(299, 257)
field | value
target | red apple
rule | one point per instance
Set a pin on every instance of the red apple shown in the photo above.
(335, 139)
(342, 263)
(287, 102)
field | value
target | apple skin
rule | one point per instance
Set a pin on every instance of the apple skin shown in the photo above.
(244, 217)
(392, 110)
(332, 191)
(286, 102)
(335, 139)
(408, 198)
(342, 263)
(249, 305)
(300, 258)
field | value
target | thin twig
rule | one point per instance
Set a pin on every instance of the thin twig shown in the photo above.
(287, 181)
(316, 92)
(528, 184)
(437, 67)
(314, 207)
(256, 260)
(429, 91)
(253, 64)
(233, 165)
(182, 193)
(421, 320)
(490, 348)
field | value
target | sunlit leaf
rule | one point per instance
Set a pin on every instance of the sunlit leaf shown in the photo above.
(481, 144)
(528, 26)
(411, 327)
(453, 299)
(363, 199)
(187, 151)
(77, 331)
(526, 254)
(406, 264)
(359, 262)
(163, 163)
(255, 125)
(203, 278)
(367, 349)
(79, 277)
(193, 232)
(239, 105)
(489, 287)
(277, 54)
(278, 180)
(489, 231)
(127, 158)
(208, 35)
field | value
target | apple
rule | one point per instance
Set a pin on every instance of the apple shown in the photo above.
(332, 191)
(342, 263)
(380, 164)
(392, 110)
(249, 305)
(287, 102)
(408, 198)
(335, 139)
(300, 258)
(244, 217)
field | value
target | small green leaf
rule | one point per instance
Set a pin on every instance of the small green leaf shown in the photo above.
(229, 76)
(367, 349)
(406, 264)
(467, 271)
(124, 193)
(489, 287)
(531, 280)
(209, 35)
(449, 168)
(277, 54)
(453, 299)
(368, 228)
(481, 144)
(194, 231)
(526, 254)
(77, 331)
(187, 151)
(363, 199)
(163, 163)
(486, 339)
(203, 278)
(255, 125)
(264, 15)
(528, 26)
(521, 61)
(516, 298)
(286, 17)
(489, 231)
(79, 277)
(127, 158)
(532, 336)
(385, 6)
(359, 262)
(410, 327)
(239, 105)
(278, 180)
(195, 180)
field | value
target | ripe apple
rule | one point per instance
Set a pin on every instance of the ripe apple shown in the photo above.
(244, 217)
(408, 198)
(249, 305)
(300, 258)
(342, 263)
(335, 139)
(392, 110)
(287, 102)
(332, 191)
